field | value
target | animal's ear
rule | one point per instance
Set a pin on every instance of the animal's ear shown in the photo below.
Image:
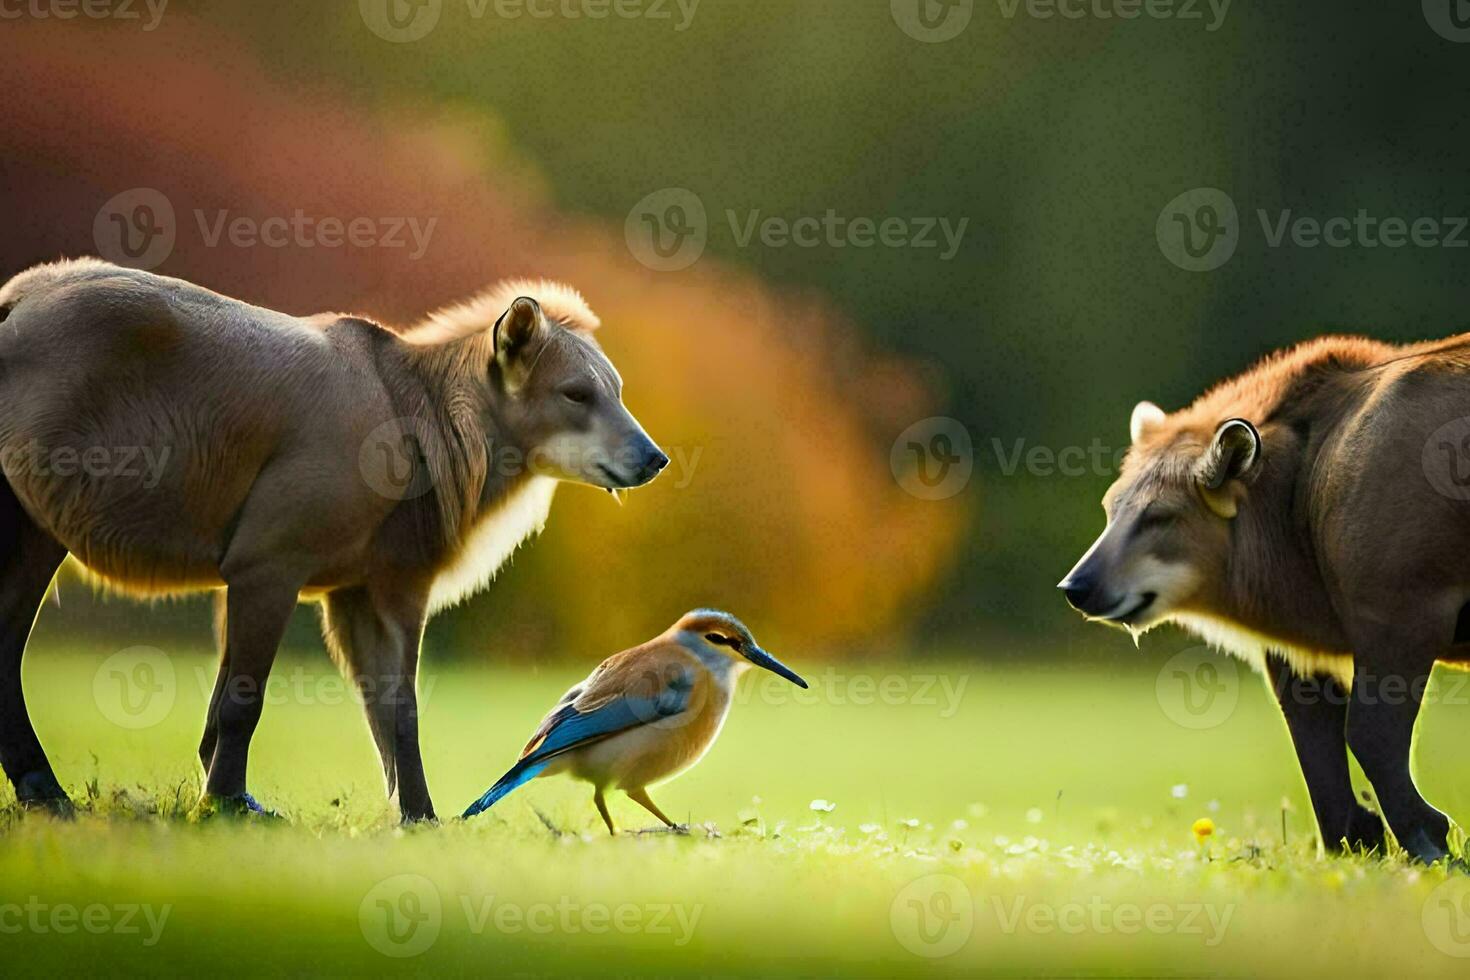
(1234, 454)
(1145, 416)
(516, 332)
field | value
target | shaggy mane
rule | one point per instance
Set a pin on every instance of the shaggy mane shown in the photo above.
(561, 303)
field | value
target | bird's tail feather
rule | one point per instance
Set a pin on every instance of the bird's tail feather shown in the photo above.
(519, 773)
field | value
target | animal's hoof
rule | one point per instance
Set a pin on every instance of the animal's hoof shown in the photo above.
(39, 792)
(1421, 847)
(418, 820)
(1364, 834)
(56, 806)
(241, 806)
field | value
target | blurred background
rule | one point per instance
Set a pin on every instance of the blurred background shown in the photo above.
(886, 278)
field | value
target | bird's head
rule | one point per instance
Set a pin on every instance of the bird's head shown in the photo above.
(718, 634)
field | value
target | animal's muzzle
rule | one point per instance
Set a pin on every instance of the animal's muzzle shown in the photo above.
(1079, 592)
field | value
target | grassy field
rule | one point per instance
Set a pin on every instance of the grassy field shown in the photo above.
(1000, 822)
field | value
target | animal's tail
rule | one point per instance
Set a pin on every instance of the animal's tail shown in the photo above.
(521, 772)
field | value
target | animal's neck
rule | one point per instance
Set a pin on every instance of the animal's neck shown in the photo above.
(444, 385)
(1273, 586)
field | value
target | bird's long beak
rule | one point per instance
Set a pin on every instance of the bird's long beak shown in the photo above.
(760, 658)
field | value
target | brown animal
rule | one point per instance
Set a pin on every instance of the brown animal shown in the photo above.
(383, 474)
(1313, 517)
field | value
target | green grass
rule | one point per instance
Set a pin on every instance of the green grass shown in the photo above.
(1046, 795)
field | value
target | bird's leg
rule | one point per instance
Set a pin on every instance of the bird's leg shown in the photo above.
(601, 802)
(640, 796)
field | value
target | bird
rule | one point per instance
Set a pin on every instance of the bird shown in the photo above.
(643, 715)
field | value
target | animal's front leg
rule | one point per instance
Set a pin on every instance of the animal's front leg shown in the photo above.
(1385, 702)
(1316, 715)
(377, 643)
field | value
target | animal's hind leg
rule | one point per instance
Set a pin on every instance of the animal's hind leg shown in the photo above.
(29, 563)
(211, 717)
(1385, 701)
(1316, 715)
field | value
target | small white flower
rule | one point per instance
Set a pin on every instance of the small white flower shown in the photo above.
(870, 828)
(1034, 815)
(1180, 791)
(823, 806)
(1213, 806)
(910, 823)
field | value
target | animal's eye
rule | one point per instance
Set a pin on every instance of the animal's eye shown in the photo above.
(722, 640)
(577, 396)
(1156, 517)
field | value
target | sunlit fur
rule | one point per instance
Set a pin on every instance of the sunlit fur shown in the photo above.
(560, 302)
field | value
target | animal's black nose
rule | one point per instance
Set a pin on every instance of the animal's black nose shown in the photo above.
(658, 460)
(1077, 591)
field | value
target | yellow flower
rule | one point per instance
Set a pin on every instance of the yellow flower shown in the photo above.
(1203, 828)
